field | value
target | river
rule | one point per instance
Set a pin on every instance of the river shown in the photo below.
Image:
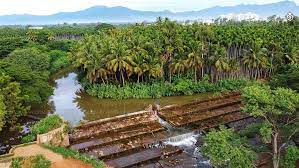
(74, 105)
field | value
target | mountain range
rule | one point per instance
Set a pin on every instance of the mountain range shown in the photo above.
(125, 15)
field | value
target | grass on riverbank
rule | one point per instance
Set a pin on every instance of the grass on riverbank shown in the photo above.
(162, 89)
(43, 126)
(69, 153)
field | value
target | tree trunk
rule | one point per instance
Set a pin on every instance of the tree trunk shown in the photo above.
(122, 77)
(275, 151)
(195, 75)
(103, 80)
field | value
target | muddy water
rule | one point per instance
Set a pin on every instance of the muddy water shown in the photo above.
(74, 105)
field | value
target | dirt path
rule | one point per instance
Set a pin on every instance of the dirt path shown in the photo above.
(70, 163)
(32, 150)
(57, 160)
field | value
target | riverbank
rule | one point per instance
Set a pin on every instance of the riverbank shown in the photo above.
(158, 89)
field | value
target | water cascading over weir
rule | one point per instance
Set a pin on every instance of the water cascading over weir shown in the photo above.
(164, 139)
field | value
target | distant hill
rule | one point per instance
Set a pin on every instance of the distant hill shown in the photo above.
(126, 15)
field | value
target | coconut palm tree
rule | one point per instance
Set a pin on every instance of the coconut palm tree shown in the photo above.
(255, 59)
(195, 58)
(293, 57)
(120, 60)
(177, 66)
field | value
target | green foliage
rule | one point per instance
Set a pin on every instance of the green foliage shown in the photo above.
(41, 162)
(30, 57)
(104, 27)
(9, 44)
(62, 45)
(158, 89)
(38, 161)
(58, 60)
(278, 109)
(76, 155)
(39, 36)
(291, 156)
(47, 124)
(166, 49)
(28, 138)
(43, 126)
(11, 101)
(251, 130)
(34, 85)
(287, 76)
(17, 162)
(266, 132)
(2, 112)
(226, 148)
(261, 101)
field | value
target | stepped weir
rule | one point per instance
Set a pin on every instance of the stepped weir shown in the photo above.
(145, 139)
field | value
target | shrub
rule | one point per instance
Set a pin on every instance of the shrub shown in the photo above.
(28, 138)
(291, 156)
(43, 126)
(17, 162)
(157, 89)
(47, 124)
(251, 130)
(38, 161)
(225, 148)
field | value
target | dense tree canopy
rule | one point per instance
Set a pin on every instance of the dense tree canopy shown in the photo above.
(30, 57)
(34, 84)
(11, 101)
(166, 49)
(9, 44)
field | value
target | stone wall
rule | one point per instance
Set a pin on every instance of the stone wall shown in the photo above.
(57, 137)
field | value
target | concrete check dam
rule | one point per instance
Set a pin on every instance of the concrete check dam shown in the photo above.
(165, 139)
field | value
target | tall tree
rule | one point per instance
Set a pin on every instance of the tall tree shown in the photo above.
(278, 109)
(12, 102)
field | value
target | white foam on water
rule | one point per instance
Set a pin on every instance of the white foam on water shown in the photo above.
(188, 139)
(164, 123)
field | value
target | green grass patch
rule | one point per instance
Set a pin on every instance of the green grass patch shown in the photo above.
(43, 126)
(69, 153)
(38, 161)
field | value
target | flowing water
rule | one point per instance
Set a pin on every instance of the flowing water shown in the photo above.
(188, 142)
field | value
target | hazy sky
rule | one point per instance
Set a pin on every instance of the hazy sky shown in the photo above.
(45, 7)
